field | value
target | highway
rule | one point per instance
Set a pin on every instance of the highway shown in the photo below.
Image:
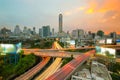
(66, 70)
(50, 73)
(55, 49)
(50, 70)
(52, 53)
(53, 67)
(30, 73)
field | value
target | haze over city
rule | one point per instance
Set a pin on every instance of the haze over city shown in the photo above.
(84, 14)
(59, 39)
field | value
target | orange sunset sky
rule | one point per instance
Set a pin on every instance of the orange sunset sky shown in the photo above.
(90, 15)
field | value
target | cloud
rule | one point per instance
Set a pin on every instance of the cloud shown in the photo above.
(91, 8)
(102, 7)
(74, 11)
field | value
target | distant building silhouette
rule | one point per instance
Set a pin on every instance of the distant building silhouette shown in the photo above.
(60, 23)
(34, 30)
(5, 32)
(25, 31)
(40, 32)
(78, 33)
(46, 31)
(17, 30)
(53, 32)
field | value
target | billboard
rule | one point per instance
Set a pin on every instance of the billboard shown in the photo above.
(10, 48)
(110, 50)
(118, 41)
(72, 42)
(103, 50)
(109, 41)
(98, 49)
(102, 41)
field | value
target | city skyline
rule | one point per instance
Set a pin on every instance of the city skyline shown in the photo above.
(90, 15)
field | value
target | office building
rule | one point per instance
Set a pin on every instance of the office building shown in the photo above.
(60, 23)
(113, 35)
(46, 31)
(5, 32)
(40, 32)
(34, 31)
(17, 30)
(29, 31)
(25, 30)
(53, 32)
(78, 33)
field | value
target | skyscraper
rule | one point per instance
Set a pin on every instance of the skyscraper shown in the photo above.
(17, 30)
(52, 31)
(46, 31)
(40, 32)
(60, 23)
(78, 33)
(25, 30)
(34, 31)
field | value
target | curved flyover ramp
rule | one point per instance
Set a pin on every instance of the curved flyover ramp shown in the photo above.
(53, 67)
(66, 70)
(30, 73)
(50, 70)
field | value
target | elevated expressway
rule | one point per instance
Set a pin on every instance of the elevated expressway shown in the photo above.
(53, 67)
(30, 73)
(50, 70)
(66, 71)
(45, 59)
(54, 52)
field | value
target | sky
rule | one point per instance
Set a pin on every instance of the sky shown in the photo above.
(90, 15)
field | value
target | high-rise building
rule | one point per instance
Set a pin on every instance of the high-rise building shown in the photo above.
(60, 23)
(17, 30)
(34, 31)
(78, 33)
(5, 32)
(53, 32)
(46, 31)
(40, 32)
(29, 31)
(25, 30)
(113, 35)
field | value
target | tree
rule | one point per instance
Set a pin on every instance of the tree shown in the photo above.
(109, 55)
(100, 33)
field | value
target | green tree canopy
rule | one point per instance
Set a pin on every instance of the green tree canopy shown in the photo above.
(100, 33)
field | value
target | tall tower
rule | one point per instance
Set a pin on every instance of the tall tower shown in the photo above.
(60, 23)
(17, 30)
(52, 31)
(46, 31)
(34, 31)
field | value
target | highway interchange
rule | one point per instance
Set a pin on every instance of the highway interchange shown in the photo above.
(54, 72)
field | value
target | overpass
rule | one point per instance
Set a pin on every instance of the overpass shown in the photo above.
(57, 51)
(30, 73)
(53, 67)
(53, 53)
(66, 71)
(61, 49)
